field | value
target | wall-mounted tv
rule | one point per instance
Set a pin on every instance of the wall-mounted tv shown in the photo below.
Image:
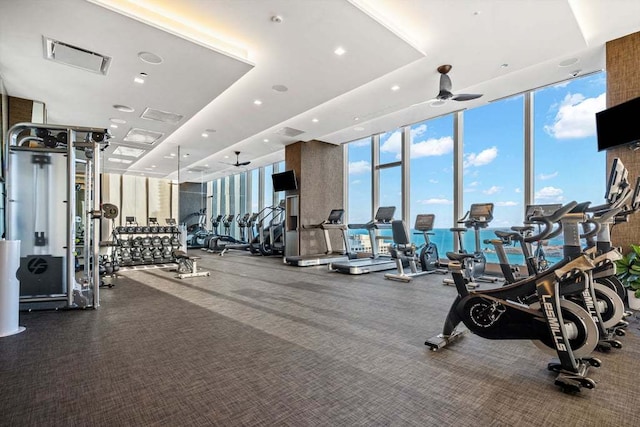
(618, 125)
(284, 181)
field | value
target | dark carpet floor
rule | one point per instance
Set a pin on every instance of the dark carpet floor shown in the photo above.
(262, 343)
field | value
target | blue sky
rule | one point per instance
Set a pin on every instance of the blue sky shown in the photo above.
(567, 165)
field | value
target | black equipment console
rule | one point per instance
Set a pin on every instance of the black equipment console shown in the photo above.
(424, 222)
(540, 210)
(335, 217)
(385, 214)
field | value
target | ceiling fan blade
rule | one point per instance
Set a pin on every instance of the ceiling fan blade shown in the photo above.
(466, 96)
(445, 83)
(243, 163)
(428, 101)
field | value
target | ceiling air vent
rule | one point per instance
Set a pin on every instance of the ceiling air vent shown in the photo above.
(291, 132)
(75, 56)
(197, 169)
(161, 116)
(142, 136)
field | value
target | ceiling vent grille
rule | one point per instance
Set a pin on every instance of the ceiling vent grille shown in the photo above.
(161, 116)
(197, 169)
(74, 56)
(141, 136)
(290, 132)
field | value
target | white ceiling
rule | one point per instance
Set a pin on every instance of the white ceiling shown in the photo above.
(220, 56)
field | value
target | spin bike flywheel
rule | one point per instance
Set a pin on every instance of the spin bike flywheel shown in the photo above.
(582, 330)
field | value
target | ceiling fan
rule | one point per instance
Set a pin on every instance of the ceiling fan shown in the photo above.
(238, 163)
(445, 89)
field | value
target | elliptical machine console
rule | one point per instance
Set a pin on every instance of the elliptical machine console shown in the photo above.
(474, 265)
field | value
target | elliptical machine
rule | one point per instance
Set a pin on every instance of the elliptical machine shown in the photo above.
(551, 321)
(479, 216)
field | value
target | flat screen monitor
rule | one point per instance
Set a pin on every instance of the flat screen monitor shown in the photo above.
(618, 125)
(284, 181)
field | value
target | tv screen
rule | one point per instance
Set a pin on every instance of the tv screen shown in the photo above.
(284, 181)
(618, 125)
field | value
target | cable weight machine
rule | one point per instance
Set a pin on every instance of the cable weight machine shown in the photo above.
(42, 165)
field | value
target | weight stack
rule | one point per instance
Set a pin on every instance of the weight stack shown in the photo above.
(9, 288)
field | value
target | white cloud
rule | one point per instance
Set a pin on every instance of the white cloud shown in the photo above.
(517, 190)
(433, 181)
(543, 176)
(393, 144)
(435, 201)
(551, 194)
(474, 184)
(469, 190)
(482, 158)
(576, 116)
(362, 143)
(361, 166)
(492, 190)
(426, 148)
(432, 147)
(417, 131)
(507, 203)
(357, 181)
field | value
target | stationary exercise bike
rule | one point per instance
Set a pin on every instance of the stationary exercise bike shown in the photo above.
(479, 216)
(551, 321)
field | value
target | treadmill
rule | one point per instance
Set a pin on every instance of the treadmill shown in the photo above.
(376, 262)
(334, 222)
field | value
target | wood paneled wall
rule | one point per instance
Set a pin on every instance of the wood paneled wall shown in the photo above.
(623, 84)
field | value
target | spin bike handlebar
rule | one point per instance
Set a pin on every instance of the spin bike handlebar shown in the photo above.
(548, 221)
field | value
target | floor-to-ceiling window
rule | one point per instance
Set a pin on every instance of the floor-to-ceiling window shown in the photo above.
(255, 190)
(359, 190)
(269, 198)
(390, 171)
(431, 177)
(567, 165)
(493, 164)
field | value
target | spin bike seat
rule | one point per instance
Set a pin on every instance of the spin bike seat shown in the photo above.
(507, 234)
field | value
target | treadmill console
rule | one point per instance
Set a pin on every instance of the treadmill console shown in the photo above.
(335, 217)
(130, 220)
(385, 214)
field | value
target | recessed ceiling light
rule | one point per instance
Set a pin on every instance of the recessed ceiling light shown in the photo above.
(128, 151)
(276, 18)
(205, 135)
(206, 166)
(113, 126)
(568, 62)
(116, 160)
(280, 88)
(138, 79)
(150, 58)
(226, 157)
(257, 102)
(358, 128)
(123, 108)
(314, 120)
(118, 121)
(172, 154)
(355, 119)
(395, 87)
(266, 140)
(153, 166)
(340, 51)
(185, 155)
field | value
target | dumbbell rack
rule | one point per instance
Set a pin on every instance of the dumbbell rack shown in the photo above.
(145, 245)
